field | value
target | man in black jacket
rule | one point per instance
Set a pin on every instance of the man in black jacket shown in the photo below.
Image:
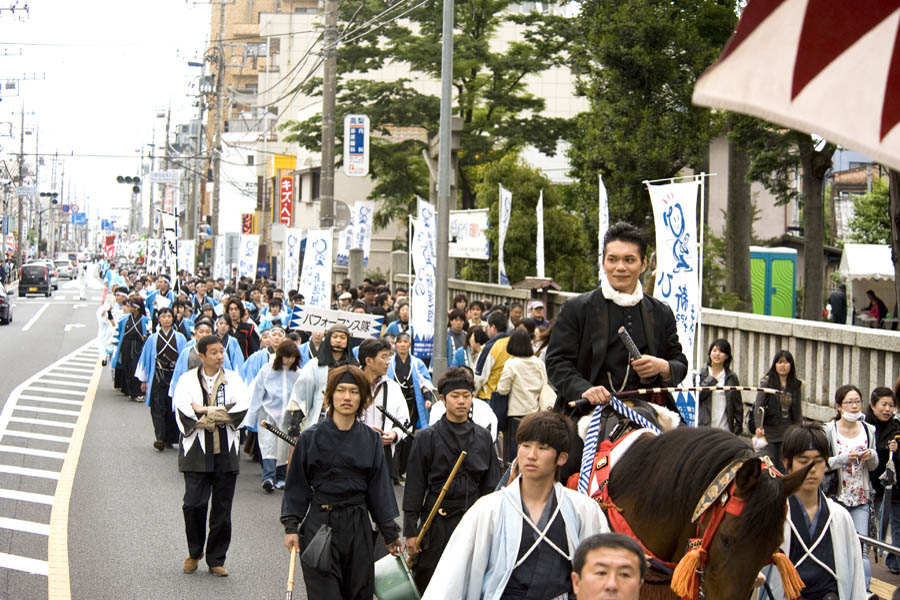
(586, 357)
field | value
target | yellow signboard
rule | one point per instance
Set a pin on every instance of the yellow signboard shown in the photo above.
(285, 162)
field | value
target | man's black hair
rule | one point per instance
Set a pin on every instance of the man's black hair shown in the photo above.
(370, 347)
(801, 438)
(515, 304)
(477, 303)
(457, 313)
(478, 334)
(626, 232)
(207, 341)
(498, 320)
(529, 325)
(276, 302)
(549, 428)
(616, 541)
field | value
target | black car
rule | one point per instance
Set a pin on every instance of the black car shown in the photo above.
(5, 307)
(34, 279)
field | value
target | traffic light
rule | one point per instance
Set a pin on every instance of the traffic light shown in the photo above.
(51, 195)
(134, 181)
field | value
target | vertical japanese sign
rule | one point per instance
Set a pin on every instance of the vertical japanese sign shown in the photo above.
(248, 223)
(505, 210)
(186, 251)
(345, 240)
(154, 249)
(291, 262)
(170, 246)
(422, 301)
(468, 234)
(169, 199)
(540, 236)
(219, 267)
(677, 269)
(109, 246)
(362, 229)
(286, 210)
(356, 145)
(315, 277)
(247, 258)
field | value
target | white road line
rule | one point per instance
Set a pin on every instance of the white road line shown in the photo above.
(42, 422)
(32, 452)
(53, 391)
(36, 436)
(35, 317)
(43, 474)
(48, 411)
(70, 376)
(53, 400)
(21, 563)
(81, 370)
(46, 381)
(26, 497)
(26, 526)
(83, 362)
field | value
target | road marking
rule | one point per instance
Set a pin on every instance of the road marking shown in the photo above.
(22, 563)
(72, 326)
(37, 436)
(26, 472)
(58, 586)
(32, 452)
(54, 400)
(42, 422)
(53, 391)
(47, 381)
(35, 317)
(70, 376)
(26, 526)
(57, 370)
(48, 411)
(26, 497)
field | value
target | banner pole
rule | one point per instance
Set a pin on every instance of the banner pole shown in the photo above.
(699, 334)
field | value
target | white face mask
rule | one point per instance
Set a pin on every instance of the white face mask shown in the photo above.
(852, 416)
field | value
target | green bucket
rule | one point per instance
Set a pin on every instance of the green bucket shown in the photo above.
(393, 581)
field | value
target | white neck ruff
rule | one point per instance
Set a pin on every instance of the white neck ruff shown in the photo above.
(621, 298)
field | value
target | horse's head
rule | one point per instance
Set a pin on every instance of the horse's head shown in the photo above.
(744, 543)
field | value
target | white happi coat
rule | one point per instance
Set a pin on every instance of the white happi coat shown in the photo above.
(396, 405)
(188, 392)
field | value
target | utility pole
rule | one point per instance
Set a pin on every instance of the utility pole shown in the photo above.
(217, 144)
(21, 207)
(165, 187)
(329, 91)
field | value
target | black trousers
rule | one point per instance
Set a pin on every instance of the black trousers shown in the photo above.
(164, 426)
(352, 573)
(197, 489)
(433, 546)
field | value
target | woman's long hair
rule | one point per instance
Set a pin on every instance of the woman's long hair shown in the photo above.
(772, 378)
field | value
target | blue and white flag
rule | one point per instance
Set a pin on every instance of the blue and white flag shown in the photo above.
(505, 210)
(364, 212)
(345, 240)
(422, 292)
(186, 251)
(315, 278)
(540, 236)
(247, 259)
(678, 270)
(220, 269)
(291, 264)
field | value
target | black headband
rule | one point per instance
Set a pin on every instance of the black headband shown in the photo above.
(347, 377)
(457, 383)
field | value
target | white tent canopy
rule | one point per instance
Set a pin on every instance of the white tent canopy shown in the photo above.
(868, 267)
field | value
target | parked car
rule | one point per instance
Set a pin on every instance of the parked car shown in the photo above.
(51, 268)
(64, 268)
(34, 278)
(5, 307)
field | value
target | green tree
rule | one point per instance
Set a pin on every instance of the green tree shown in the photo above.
(637, 62)
(499, 114)
(567, 250)
(871, 221)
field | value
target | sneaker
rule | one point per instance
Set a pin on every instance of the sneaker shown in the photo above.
(190, 564)
(159, 445)
(268, 486)
(138, 398)
(279, 485)
(219, 571)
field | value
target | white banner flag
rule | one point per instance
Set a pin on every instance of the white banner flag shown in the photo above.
(291, 262)
(315, 278)
(220, 269)
(427, 216)
(362, 231)
(345, 239)
(170, 246)
(314, 320)
(186, 251)
(505, 210)
(247, 259)
(154, 250)
(468, 234)
(677, 269)
(422, 293)
(540, 236)
(602, 223)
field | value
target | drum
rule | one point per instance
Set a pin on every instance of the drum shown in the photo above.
(393, 581)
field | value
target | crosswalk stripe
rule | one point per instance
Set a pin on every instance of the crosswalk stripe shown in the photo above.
(53, 400)
(26, 526)
(42, 422)
(26, 497)
(36, 436)
(24, 471)
(70, 376)
(52, 391)
(47, 411)
(32, 452)
(81, 384)
(24, 564)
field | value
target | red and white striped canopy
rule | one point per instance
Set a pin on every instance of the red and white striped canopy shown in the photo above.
(829, 67)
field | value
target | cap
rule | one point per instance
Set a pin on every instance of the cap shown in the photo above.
(535, 304)
(345, 296)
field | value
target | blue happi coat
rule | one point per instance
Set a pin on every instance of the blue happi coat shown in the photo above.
(420, 377)
(146, 368)
(121, 336)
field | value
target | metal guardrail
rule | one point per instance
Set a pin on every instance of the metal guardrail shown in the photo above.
(878, 544)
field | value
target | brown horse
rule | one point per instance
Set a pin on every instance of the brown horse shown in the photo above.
(658, 483)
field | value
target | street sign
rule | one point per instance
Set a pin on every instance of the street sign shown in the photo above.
(74, 208)
(10, 243)
(65, 208)
(287, 201)
(341, 215)
(356, 145)
(25, 190)
(170, 177)
(79, 218)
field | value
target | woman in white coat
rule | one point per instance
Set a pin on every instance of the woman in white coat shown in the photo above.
(522, 379)
(271, 391)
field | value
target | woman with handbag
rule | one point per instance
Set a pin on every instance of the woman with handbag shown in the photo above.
(780, 410)
(720, 409)
(853, 456)
(337, 478)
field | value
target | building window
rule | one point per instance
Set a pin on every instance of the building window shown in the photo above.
(316, 180)
(250, 160)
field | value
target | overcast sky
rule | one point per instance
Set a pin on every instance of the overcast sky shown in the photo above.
(108, 68)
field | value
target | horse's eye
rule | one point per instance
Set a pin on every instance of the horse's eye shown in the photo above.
(725, 540)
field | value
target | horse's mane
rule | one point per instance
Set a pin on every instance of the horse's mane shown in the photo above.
(670, 472)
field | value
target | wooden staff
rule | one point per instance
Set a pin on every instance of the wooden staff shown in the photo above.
(290, 581)
(437, 505)
(703, 388)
